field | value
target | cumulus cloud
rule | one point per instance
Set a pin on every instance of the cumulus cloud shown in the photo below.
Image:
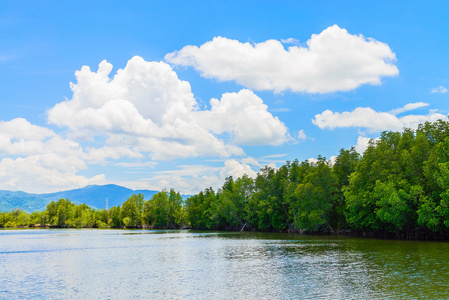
(364, 117)
(20, 128)
(145, 107)
(332, 160)
(373, 121)
(135, 100)
(332, 61)
(35, 159)
(190, 179)
(42, 174)
(245, 117)
(312, 160)
(439, 90)
(363, 143)
(236, 169)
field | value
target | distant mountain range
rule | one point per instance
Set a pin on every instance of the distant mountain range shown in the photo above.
(93, 195)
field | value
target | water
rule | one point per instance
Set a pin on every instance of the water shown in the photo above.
(133, 264)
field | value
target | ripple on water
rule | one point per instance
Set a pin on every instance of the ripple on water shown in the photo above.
(119, 264)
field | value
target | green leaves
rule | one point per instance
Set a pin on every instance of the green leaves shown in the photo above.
(314, 197)
(132, 211)
(395, 203)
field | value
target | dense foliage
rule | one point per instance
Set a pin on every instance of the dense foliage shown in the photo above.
(163, 210)
(400, 185)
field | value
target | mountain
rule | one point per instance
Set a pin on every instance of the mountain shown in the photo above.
(27, 202)
(92, 195)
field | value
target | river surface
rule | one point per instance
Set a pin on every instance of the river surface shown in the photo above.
(150, 264)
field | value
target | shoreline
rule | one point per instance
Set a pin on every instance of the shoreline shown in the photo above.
(417, 235)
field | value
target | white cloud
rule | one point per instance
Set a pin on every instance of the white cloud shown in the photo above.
(274, 156)
(144, 164)
(333, 60)
(360, 117)
(190, 179)
(281, 109)
(302, 136)
(291, 41)
(20, 138)
(412, 121)
(439, 90)
(245, 117)
(52, 163)
(35, 159)
(236, 169)
(408, 107)
(42, 174)
(139, 97)
(362, 144)
(99, 155)
(312, 160)
(332, 160)
(373, 121)
(20, 128)
(251, 161)
(272, 160)
(147, 109)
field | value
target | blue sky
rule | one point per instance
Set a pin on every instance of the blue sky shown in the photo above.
(162, 94)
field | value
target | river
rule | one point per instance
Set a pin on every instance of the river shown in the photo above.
(183, 264)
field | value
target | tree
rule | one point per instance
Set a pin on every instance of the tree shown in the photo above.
(59, 212)
(194, 210)
(176, 209)
(343, 167)
(164, 210)
(132, 211)
(115, 219)
(232, 201)
(395, 202)
(360, 205)
(315, 197)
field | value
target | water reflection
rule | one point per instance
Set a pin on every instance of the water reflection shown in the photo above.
(122, 264)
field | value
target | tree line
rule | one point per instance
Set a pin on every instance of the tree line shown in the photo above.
(400, 185)
(164, 210)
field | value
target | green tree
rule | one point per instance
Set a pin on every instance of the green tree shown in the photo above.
(115, 219)
(156, 210)
(343, 167)
(176, 209)
(315, 197)
(59, 212)
(132, 211)
(195, 211)
(395, 204)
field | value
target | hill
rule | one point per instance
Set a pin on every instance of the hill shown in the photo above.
(92, 195)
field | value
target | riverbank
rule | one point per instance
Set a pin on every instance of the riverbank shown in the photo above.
(418, 235)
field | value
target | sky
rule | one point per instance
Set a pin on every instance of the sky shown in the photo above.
(182, 94)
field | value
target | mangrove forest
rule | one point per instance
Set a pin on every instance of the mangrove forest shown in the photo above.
(398, 187)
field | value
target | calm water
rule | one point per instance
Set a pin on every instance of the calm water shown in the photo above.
(124, 264)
